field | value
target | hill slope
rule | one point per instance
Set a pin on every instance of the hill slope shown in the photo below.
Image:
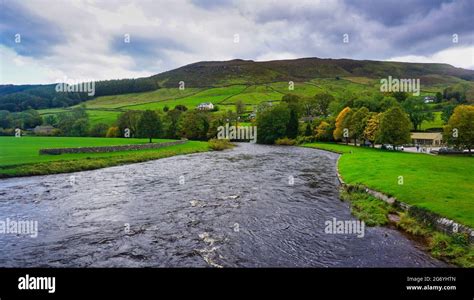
(205, 74)
(218, 74)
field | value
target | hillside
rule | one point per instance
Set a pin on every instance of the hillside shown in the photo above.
(256, 76)
(205, 74)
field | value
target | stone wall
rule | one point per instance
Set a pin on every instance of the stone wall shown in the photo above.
(57, 151)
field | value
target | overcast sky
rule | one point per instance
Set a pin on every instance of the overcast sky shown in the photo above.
(86, 40)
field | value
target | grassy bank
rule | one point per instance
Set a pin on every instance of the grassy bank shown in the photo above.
(440, 184)
(453, 249)
(20, 157)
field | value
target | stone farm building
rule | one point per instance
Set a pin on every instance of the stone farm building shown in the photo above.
(206, 106)
(427, 138)
(43, 130)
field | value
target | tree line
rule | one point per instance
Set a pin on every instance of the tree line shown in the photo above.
(24, 97)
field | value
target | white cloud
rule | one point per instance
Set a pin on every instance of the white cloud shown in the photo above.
(461, 57)
(175, 33)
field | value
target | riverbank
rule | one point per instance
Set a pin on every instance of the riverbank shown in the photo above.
(454, 248)
(440, 184)
(20, 156)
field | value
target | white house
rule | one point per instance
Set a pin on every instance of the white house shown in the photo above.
(429, 99)
(206, 106)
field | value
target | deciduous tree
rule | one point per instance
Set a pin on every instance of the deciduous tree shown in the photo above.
(394, 127)
(460, 128)
(149, 125)
(341, 122)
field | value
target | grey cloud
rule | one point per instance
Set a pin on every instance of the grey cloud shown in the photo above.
(38, 36)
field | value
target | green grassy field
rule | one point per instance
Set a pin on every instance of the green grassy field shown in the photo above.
(26, 149)
(20, 156)
(255, 94)
(95, 116)
(441, 184)
(436, 123)
(214, 95)
(118, 101)
(105, 109)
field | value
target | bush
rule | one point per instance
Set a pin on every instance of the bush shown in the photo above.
(220, 144)
(99, 130)
(285, 142)
(7, 131)
(305, 139)
(365, 207)
(113, 132)
(443, 246)
(272, 123)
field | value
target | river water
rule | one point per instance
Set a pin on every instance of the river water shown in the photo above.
(253, 206)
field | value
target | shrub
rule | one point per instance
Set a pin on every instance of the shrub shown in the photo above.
(365, 207)
(443, 246)
(220, 144)
(7, 131)
(113, 132)
(304, 139)
(285, 142)
(99, 130)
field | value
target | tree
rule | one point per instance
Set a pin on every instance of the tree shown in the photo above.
(171, 123)
(439, 97)
(26, 119)
(272, 123)
(341, 122)
(394, 127)
(417, 111)
(79, 112)
(291, 99)
(308, 130)
(357, 124)
(322, 101)
(400, 96)
(181, 107)
(5, 119)
(324, 131)
(195, 125)
(129, 119)
(293, 124)
(239, 107)
(460, 128)
(149, 125)
(447, 112)
(456, 93)
(113, 132)
(50, 120)
(166, 108)
(372, 128)
(99, 130)
(80, 127)
(216, 120)
(74, 122)
(386, 103)
(372, 104)
(308, 105)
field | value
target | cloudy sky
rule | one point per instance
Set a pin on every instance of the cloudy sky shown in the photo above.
(51, 40)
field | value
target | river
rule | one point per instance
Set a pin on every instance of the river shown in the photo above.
(252, 206)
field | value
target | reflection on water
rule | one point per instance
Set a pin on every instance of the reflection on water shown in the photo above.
(253, 206)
